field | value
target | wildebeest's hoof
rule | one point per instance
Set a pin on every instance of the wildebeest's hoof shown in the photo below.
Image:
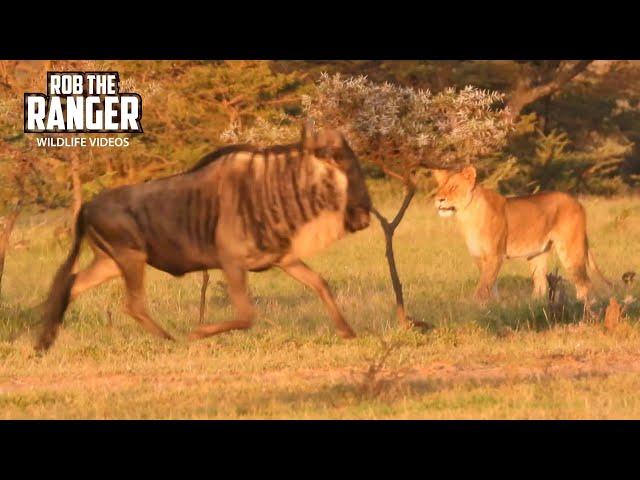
(160, 333)
(195, 335)
(422, 326)
(346, 333)
(46, 340)
(411, 324)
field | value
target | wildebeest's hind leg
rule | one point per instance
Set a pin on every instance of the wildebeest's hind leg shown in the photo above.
(237, 281)
(301, 272)
(101, 269)
(132, 264)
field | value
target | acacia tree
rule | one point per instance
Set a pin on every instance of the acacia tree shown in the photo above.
(21, 175)
(13, 168)
(29, 76)
(402, 130)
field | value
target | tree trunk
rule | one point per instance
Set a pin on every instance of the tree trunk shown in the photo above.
(130, 170)
(395, 278)
(4, 238)
(389, 229)
(76, 183)
(77, 197)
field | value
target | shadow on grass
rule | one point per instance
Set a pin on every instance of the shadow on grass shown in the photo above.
(348, 393)
(350, 399)
(529, 315)
(515, 286)
(632, 311)
(16, 321)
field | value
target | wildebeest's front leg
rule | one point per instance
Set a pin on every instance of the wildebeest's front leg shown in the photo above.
(301, 272)
(237, 282)
(132, 264)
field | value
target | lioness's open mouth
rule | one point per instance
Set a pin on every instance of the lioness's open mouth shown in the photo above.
(446, 211)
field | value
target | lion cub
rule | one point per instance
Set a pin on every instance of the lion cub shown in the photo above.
(497, 227)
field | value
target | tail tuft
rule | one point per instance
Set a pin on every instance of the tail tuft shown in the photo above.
(593, 266)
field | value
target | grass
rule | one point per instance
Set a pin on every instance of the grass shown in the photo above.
(508, 360)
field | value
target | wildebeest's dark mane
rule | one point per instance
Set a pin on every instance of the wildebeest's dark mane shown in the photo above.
(226, 150)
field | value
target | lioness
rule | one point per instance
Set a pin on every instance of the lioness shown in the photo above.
(497, 227)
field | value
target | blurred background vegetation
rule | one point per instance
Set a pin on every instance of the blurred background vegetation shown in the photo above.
(576, 122)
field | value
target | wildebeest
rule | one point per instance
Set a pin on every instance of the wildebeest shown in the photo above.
(239, 209)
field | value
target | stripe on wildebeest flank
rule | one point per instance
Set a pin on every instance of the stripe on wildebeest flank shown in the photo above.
(238, 209)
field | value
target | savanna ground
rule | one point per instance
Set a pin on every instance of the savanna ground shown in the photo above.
(512, 359)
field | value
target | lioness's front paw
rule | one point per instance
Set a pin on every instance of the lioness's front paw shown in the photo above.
(482, 297)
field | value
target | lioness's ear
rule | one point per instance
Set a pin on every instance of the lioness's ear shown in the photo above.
(469, 174)
(308, 135)
(441, 175)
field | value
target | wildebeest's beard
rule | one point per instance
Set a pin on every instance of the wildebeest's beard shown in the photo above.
(357, 215)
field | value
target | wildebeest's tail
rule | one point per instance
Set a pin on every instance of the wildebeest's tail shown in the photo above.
(58, 298)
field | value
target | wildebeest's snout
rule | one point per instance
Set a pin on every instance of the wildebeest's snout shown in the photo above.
(358, 218)
(358, 203)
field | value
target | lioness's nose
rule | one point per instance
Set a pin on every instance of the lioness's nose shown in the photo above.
(441, 200)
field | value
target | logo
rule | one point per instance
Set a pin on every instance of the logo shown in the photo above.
(83, 102)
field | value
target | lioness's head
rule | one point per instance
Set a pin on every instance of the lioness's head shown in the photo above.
(455, 190)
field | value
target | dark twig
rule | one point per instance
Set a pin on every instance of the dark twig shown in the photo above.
(203, 294)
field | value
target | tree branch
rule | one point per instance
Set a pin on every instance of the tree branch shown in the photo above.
(410, 192)
(381, 218)
(390, 172)
(524, 95)
(564, 76)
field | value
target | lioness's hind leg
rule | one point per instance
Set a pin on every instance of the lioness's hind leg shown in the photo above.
(538, 266)
(574, 260)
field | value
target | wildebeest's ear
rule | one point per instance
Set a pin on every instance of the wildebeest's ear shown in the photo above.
(469, 174)
(308, 135)
(441, 175)
(329, 138)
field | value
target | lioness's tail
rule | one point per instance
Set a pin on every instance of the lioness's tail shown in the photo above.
(593, 266)
(58, 298)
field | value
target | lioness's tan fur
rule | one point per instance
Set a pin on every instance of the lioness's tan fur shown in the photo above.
(496, 228)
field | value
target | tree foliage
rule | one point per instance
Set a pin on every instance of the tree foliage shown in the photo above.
(580, 136)
(402, 128)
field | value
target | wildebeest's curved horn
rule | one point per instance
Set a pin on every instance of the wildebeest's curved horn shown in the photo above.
(308, 135)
